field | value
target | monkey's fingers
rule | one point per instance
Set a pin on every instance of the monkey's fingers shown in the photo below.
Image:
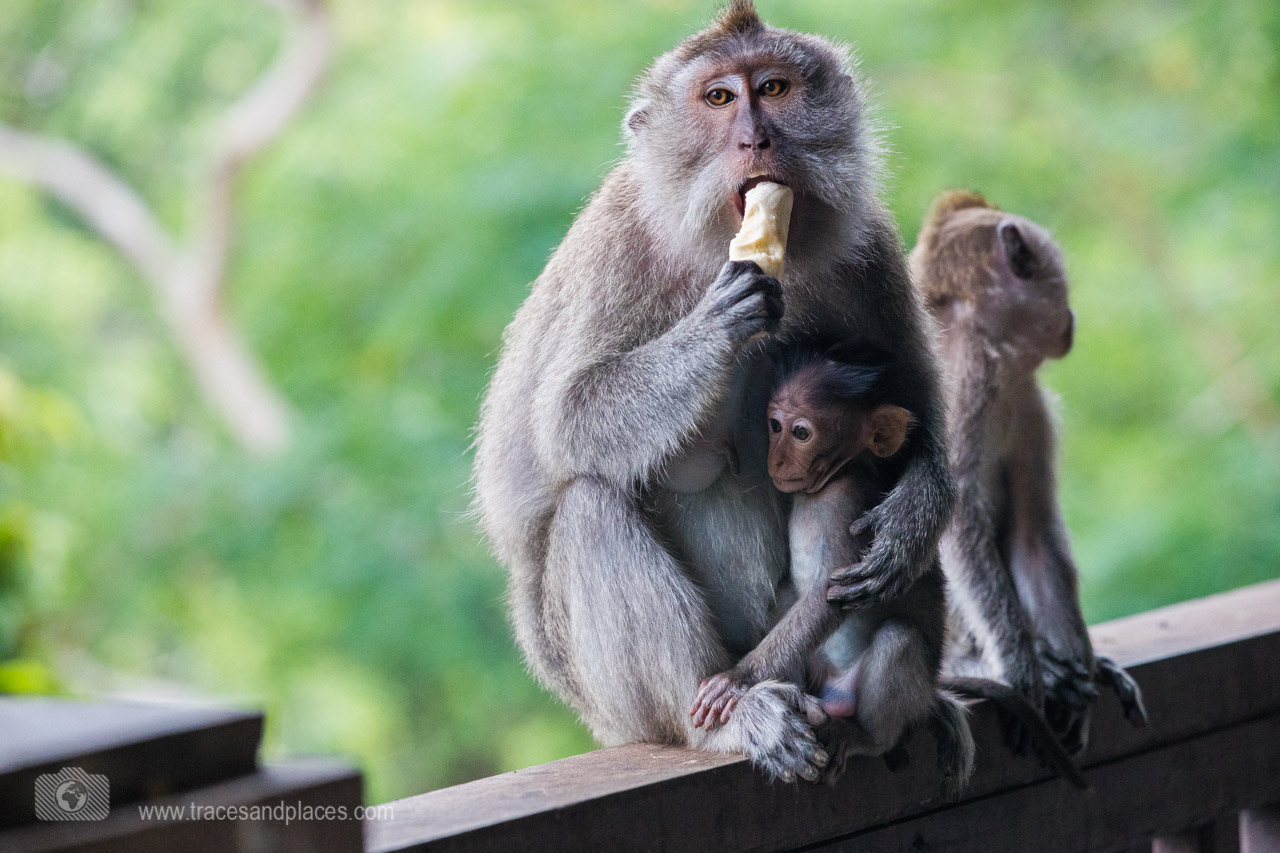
(863, 524)
(710, 703)
(852, 589)
(718, 712)
(1126, 689)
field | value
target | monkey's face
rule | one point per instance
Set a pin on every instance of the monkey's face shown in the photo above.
(725, 110)
(800, 451)
(810, 442)
(808, 446)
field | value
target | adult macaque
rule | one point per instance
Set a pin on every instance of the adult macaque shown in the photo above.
(620, 471)
(835, 438)
(996, 284)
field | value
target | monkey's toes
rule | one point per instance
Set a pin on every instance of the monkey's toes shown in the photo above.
(1126, 690)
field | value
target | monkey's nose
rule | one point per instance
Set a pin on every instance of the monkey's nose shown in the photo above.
(755, 142)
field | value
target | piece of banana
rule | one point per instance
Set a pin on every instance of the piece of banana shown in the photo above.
(765, 221)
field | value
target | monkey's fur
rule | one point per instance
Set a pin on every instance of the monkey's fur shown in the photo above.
(996, 285)
(620, 470)
(879, 665)
(835, 437)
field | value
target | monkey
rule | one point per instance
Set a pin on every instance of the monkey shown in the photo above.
(996, 285)
(835, 437)
(618, 473)
(834, 441)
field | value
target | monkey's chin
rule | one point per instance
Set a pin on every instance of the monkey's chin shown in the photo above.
(790, 487)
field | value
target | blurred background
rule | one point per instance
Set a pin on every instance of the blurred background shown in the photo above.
(241, 348)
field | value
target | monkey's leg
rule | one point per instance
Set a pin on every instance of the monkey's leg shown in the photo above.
(887, 689)
(781, 656)
(980, 585)
(1045, 575)
(640, 639)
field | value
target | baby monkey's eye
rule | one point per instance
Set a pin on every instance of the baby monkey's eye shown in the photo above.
(801, 433)
(775, 425)
(773, 87)
(720, 96)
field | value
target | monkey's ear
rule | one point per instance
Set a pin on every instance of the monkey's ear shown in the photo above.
(1016, 250)
(889, 425)
(636, 118)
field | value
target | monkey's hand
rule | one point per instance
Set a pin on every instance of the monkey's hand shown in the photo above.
(1069, 690)
(1111, 674)
(744, 301)
(716, 699)
(855, 587)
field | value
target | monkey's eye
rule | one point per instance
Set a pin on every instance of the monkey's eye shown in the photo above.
(720, 96)
(801, 433)
(773, 87)
(775, 425)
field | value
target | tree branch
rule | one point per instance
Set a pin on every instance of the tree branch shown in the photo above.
(257, 118)
(102, 200)
(187, 277)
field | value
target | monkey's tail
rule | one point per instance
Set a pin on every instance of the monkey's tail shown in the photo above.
(949, 722)
(1016, 705)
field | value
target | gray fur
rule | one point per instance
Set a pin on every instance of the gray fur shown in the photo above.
(995, 283)
(627, 376)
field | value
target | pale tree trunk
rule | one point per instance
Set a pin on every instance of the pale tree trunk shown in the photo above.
(187, 273)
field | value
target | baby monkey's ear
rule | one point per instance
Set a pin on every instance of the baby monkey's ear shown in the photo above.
(888, 427)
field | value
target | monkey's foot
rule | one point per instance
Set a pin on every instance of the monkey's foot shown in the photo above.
(844, 738)
(1127, 690)
(776, 724)
(1069, 691)
(716, 699)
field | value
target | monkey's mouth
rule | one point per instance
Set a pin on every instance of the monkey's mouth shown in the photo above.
(740, 198)
(789, 486)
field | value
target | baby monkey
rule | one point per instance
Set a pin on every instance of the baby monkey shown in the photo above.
(834, 444)
(838, 444)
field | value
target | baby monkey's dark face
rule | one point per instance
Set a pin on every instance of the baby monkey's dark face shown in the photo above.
(812, 440)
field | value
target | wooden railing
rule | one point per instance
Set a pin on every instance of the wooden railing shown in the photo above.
(1198, 778)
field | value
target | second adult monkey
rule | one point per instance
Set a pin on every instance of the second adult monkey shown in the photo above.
(996, 284)
(620, 469)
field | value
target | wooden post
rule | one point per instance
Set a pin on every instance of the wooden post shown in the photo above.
(1221, 836)
(1260, 829)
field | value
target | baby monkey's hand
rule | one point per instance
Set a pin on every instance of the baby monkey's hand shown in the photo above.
(716, 699)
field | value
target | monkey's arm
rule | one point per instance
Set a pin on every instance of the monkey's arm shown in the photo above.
(782, 653)
(619, 413)
(909, 521)
(1047, 582)
(982, 587)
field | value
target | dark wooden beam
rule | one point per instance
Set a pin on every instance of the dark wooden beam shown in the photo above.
(144, 750)
(1208, 669)
(322, 787)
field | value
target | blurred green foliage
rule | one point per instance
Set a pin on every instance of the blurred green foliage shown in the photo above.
(388, 237)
